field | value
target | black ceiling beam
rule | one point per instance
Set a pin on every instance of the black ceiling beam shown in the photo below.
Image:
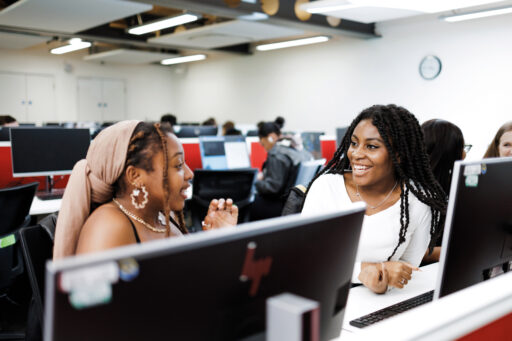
(284, 16)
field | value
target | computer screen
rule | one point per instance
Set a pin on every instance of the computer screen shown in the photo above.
(5, 134)
(47, 151)
(206, 286)
(195, 131)
(237, 153)
(340, 133)
(477, 240)
(311, 142)
(213, 154)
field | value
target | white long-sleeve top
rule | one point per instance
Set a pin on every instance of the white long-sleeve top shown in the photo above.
(380, 231)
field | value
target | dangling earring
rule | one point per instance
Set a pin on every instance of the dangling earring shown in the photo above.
(135, 194)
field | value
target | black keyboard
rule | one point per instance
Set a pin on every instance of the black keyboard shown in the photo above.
(49, 196)
(392, 310)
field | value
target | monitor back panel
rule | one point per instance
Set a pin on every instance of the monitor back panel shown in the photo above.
(196, 292)
(478, 231)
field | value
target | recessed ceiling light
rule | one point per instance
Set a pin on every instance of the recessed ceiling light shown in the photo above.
(291, 43)
(74, 44)
(185, 59)
(476, 15)
(164, 23)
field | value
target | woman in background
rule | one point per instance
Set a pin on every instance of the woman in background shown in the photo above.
(444, 143)
(129, 189)
(382, 161)
(501, 144)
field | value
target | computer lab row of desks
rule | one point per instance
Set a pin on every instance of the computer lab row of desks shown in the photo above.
(480, 312)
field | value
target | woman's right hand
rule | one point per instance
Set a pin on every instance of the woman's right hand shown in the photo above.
(374, 276)
(399, 273)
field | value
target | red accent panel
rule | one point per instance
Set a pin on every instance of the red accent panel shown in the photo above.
(258, 155)
(500, 329)
(255, 269)
(328, 147)
(192, 155)
(6, 179)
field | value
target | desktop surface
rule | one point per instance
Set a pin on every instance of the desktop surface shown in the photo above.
(211, 285)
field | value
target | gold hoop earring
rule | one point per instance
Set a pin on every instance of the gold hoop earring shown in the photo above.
(135, 194)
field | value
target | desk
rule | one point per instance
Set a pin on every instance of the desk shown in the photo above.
(362, 301)
(44, 206)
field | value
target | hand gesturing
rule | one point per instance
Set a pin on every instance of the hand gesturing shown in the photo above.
(221, 213)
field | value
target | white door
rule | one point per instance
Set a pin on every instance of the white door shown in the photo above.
(90, 102)
(13, 96)
(114, 99)
(41, 99)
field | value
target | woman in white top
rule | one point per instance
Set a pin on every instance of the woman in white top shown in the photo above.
(382, 161)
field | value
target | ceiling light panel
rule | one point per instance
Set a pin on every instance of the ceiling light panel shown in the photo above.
(67, 16)
(225, 34)
(125, 56)
(163, 24)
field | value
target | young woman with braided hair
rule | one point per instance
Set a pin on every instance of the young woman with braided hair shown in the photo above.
(382, 161)
(129, 189)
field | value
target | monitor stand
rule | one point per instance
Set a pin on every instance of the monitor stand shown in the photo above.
(50, 192)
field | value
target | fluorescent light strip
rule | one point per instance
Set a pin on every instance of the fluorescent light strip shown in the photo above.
(184, 59)
(476, 15)
(334, 8)
(75, 44)
(165, 23)
(291, 43)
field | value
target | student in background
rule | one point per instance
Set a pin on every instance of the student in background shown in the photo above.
(444, 143)
(501, 144)
(382, 161)
(8, 121)
(129, 189)
(228, 128)
(278, 173)
(209, 122)
(169, 119)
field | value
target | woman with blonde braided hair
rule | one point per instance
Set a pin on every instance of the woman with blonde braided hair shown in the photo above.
(382, 161)
(129, 189)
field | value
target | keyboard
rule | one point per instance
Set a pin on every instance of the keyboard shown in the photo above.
(379, 315)
(49, 196)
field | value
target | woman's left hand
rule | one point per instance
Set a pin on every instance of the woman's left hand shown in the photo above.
(221, 213)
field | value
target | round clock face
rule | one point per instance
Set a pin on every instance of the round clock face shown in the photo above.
(430, 67)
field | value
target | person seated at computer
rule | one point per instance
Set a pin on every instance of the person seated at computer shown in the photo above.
(135, 172)
(382, 161)
(278, 172)
(169, 119)
(501, 145)
(209, 122)
(444, 143)
(228, 129)
(8, 121)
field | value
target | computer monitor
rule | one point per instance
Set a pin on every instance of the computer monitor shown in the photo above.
(311, 142)
(237, 154)
(195, 131)
(5, 134)
(477, 240)
(206, 286)
(213, 153)
(340, 134)
(47, 151)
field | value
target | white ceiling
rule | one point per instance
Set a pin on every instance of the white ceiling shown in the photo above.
(374, 11)
(67, 16)
(226, 34)
(124, 56)
(19, 41)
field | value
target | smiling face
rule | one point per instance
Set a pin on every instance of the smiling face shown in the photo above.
(505, 146)
(178, 174)
(369, 157)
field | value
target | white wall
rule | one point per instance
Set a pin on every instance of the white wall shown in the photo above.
(323, 86)
(149, 88)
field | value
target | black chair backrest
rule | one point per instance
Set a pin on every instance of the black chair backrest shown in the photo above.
(37, 248)
(15, 205)
(215, 184)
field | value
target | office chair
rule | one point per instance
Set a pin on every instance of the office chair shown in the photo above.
(37, 247)
(307, 171)
(215, 184)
